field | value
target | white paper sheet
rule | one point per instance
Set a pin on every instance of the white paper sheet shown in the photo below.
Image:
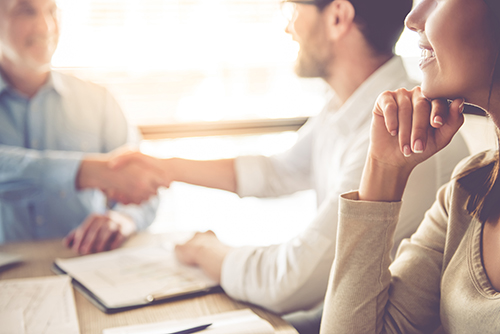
(47, 305)
(6, 258)
(127, 276)
(234, 322)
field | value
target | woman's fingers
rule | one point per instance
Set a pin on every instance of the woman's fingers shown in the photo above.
(417, 120)
(454, 120)
(439, 113)
(421, 109)
(387, 107)
(405, 110)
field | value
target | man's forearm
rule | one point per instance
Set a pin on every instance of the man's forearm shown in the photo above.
(218, 174)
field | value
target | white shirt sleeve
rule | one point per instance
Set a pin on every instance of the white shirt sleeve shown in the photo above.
(287, 277)
(294, 275)
(280, 174)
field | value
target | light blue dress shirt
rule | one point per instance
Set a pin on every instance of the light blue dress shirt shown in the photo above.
(42, 142)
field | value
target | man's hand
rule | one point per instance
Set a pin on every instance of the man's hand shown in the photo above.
(131, 183)
(100, 233)
(206, 251)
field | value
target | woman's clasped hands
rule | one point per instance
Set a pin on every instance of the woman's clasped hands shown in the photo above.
(407, 129)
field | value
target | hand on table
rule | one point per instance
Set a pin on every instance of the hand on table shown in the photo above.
(100, 233)
(206, 251)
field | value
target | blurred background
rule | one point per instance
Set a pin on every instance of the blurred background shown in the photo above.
(204, 79)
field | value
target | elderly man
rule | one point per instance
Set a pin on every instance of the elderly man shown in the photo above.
(55, 133)
(350, 45)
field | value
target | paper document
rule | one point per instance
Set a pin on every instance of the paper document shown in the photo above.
(235, 322)
(6, 258)
(135, 276)
(44, 305)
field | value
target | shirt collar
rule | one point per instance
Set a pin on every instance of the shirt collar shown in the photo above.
(54, 81)
(389, 76)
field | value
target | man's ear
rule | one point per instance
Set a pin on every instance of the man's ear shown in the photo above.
(339, 18)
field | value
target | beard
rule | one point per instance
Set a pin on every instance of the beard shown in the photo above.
(311, 61)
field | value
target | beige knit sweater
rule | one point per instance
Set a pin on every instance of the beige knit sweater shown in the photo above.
(436, 280)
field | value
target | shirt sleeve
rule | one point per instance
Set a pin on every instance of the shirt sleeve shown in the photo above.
(286, 277)
(368, 295)
(280, 174)
(117, 132)
(27, 172)
(293, 275)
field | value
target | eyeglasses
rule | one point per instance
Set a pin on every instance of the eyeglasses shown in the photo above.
(289, 8)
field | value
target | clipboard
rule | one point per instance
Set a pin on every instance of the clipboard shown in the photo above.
(130, 284)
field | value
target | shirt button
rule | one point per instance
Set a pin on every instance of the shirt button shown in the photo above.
(39, 220)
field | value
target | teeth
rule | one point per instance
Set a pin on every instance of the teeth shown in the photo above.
(427, 54)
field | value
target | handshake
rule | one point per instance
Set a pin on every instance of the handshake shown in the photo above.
(128, 177)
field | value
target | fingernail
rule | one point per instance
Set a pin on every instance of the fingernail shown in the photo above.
(461, 108)
(406, 151)
(394, 133)
(418, 146)
(438, 120)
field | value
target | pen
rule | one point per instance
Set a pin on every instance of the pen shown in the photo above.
(191, 330)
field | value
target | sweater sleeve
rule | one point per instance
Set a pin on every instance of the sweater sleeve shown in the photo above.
(367, 294)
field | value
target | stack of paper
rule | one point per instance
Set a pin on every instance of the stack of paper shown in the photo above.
(129, 277)
(235, 322)
(43, 305)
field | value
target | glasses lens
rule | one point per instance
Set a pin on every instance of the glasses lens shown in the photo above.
(288, 10)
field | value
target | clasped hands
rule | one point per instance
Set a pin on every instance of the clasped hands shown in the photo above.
(128, 177)
(407, 129)
(124, 176)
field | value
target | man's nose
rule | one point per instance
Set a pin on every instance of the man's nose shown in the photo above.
(289, 27)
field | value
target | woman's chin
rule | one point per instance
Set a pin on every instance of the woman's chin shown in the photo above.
(432, 92)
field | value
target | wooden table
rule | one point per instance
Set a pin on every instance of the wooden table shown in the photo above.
(39, 256)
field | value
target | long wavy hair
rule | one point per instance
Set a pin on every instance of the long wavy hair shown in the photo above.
(483, 181)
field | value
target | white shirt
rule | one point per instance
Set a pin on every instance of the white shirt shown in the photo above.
(328, 157)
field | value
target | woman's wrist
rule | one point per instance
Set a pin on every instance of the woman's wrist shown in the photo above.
(383, 182)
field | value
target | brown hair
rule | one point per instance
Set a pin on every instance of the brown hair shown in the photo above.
(380, 21)
(483, 182)
(483, 185)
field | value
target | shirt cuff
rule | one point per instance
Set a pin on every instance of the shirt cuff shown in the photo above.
(60, 171)
(351, 207)
(142, 215)
(232, 280)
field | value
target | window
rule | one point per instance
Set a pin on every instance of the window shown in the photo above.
(171, 62)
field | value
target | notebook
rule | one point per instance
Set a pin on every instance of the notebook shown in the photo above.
(234, 322)
(127, 278)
